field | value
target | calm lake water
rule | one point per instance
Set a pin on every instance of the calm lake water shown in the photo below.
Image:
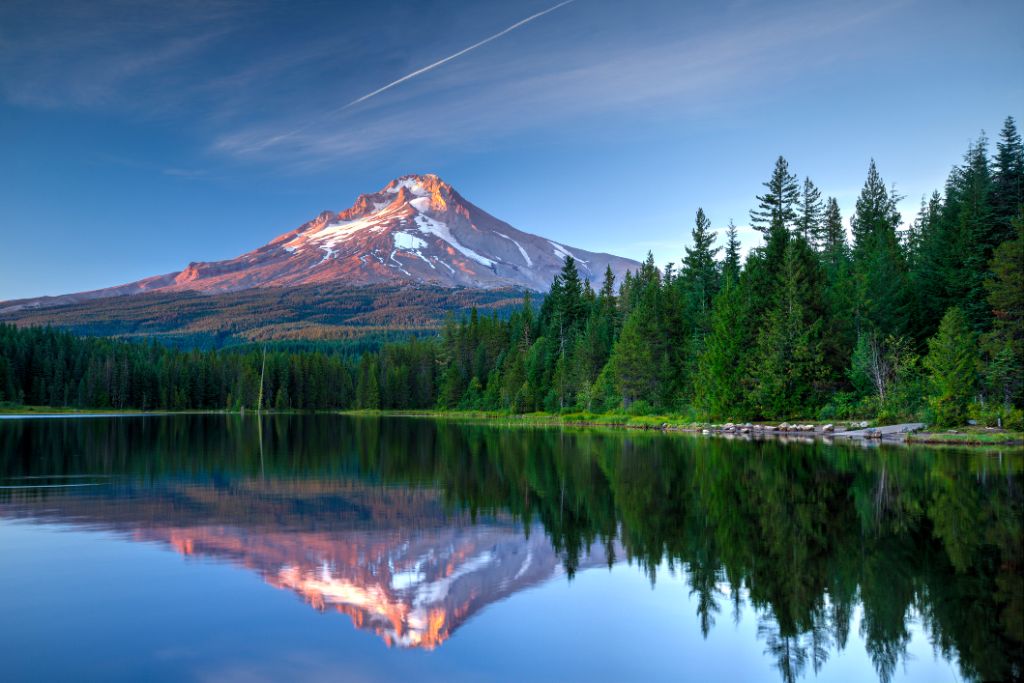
(337, 548)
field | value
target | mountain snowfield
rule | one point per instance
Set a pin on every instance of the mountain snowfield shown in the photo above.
(417, 229)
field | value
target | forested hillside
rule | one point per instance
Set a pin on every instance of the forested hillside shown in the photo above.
(325, 312)
(925, 320)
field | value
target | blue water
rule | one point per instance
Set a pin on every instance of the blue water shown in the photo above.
(331, 548)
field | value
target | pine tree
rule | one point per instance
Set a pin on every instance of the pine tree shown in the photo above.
(777, 207)
(635, 363)
(978, 234)
(787, 368)
(1004, 344)
(731, 262)
(952, 369)
(1008, 185)
(700, 277)
(570, 308)
(810, 215)
(839, 294)
(879, 264)
(833, 236)
(721, 367)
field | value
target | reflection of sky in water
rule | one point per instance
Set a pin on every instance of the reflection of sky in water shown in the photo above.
(313, 547)
(122, 609)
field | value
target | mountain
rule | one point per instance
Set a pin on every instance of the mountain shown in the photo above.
(416, 230)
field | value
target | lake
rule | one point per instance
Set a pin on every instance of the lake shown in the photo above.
(323, 547)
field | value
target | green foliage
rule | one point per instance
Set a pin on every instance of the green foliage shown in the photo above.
(777, 208)
(879, 265)
(885, 373)
(634, 360)
(809, 222)
(1004, 345)
(997, 415)
(787, 365)
(809, 324)
(952, 369)
(721, 370)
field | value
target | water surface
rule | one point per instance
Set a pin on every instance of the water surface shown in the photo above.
(209, 547)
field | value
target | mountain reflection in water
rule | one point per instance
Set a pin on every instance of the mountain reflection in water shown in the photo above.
(411, 527)
(392, 559)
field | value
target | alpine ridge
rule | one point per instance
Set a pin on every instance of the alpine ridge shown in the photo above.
(418, 229)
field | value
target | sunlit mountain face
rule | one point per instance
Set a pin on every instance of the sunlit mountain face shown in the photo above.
(807, 556)
(416, 230)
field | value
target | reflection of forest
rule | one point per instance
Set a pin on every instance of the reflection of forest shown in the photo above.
(804, 533)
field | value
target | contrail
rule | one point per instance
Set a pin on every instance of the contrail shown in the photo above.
(449, 58)
(417, 72)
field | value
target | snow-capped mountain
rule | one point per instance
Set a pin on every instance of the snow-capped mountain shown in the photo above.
(417, 229)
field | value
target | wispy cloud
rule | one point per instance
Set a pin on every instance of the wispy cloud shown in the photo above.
(109, 54)
(480, 99)
(409, 76)
(209, 63)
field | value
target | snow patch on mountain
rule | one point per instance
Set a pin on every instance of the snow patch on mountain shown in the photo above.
(410, 183)
(332, 233)
(407, 241)
(526, 256)
(439, 229)
(563, 253)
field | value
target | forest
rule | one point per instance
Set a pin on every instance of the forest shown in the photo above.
(889, 321)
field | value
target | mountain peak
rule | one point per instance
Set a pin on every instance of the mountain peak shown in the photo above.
(417, 229)
(418, 182)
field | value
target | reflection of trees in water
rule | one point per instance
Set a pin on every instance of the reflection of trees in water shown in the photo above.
(792, 652)
(805, 533)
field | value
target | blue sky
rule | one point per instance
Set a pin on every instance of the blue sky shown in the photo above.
(138, 136)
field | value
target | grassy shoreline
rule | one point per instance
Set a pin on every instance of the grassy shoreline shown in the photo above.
(966, 436)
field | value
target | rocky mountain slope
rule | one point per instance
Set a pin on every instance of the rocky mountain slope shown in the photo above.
(416, 230)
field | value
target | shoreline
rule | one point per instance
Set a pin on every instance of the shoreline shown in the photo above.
(850, 431)
(799, 431)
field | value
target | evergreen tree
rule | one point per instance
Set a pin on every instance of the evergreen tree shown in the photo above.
(978, 234)
(731, 262)
(787, 368)
(936, 258)
(1004, 344)
(721, 369)
(833, 244)
(635, 361)
(700, 277)
(952, 369)
(879, 264)
(777, 207)
(1008, 185)
(810, 215)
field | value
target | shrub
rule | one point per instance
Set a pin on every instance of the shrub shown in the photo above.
(997, 414)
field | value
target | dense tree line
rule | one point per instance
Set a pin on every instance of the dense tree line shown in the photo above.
(44, 366)
(889, 321)
(893, 321)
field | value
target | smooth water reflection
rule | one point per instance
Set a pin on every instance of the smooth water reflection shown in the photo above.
(482, 553)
